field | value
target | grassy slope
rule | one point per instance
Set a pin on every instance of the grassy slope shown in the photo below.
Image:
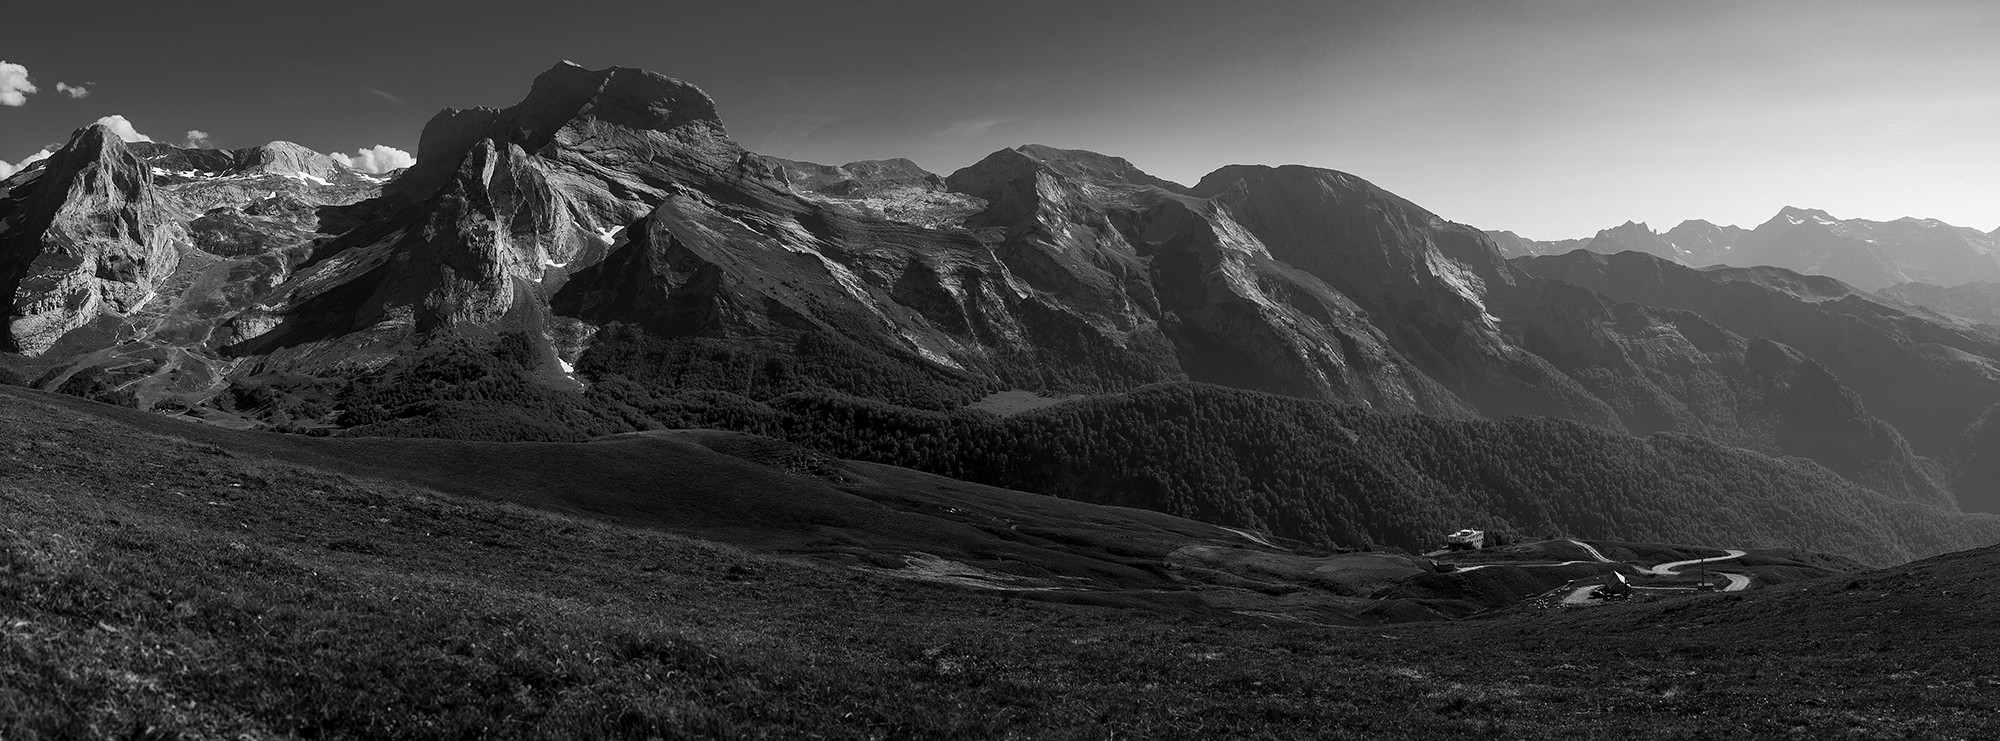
(152, 584)
(729, 487)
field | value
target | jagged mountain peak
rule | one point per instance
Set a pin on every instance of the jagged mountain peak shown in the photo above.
(1303, 179)
(1797, 215)
(897, 166)
(93, 143)
(90, 239)
(1694, 225)
(852, 179)
(622, 112)
(1228, 176)
(1865, 253)
(1631, 226)
(1091, 165)
(1018, 181)
(1076, 164)
(96, 146)
(287, 158)
(623, 96)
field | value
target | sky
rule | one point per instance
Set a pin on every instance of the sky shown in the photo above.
(1549, 118)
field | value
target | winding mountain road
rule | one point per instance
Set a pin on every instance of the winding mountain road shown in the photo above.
(1581, 595)
(1462, 569)
(1673, 569)
(1737, 582)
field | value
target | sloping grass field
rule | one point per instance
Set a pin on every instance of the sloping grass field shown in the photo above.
(155, 583)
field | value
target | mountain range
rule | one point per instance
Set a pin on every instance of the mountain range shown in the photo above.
(601, 258)
(1867, 254)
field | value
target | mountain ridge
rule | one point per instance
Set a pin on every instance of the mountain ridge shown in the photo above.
(600, 257)
(1865, 253)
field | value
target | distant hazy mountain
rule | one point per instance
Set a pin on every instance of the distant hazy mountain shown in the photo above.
(1977, 302)
(1863, 253)
(1932, 378)
(1515, 245)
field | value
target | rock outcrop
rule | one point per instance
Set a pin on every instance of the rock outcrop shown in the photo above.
(93, 238)
(148, 247)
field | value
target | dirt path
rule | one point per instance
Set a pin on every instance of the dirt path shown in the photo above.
(1674, 568)
(1255, 538)
(1523, 565)
(1592, 550)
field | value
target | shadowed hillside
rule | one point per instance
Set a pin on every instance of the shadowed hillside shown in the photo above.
(153, 582)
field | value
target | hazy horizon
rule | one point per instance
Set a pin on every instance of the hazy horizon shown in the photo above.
(1549, 119)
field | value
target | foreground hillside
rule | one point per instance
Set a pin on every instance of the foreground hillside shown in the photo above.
(153, 585)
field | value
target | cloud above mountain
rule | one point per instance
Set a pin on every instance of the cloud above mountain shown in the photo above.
(74, 91)
(375, 160)
(123, 128)
(8, 170)
(14, 84)
(198, 139)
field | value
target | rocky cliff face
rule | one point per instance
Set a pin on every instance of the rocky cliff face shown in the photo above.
(1637, 237)
(1179, 277)
(127, 255)
(89, 238)
(583, 207)
(1432, 286)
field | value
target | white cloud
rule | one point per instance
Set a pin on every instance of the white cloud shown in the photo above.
(74, 91)
(198, 139)
(14, 84)
(375, 160)
(7, 169)
(123, 129)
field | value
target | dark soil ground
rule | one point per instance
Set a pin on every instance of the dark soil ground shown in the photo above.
(156, 584)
